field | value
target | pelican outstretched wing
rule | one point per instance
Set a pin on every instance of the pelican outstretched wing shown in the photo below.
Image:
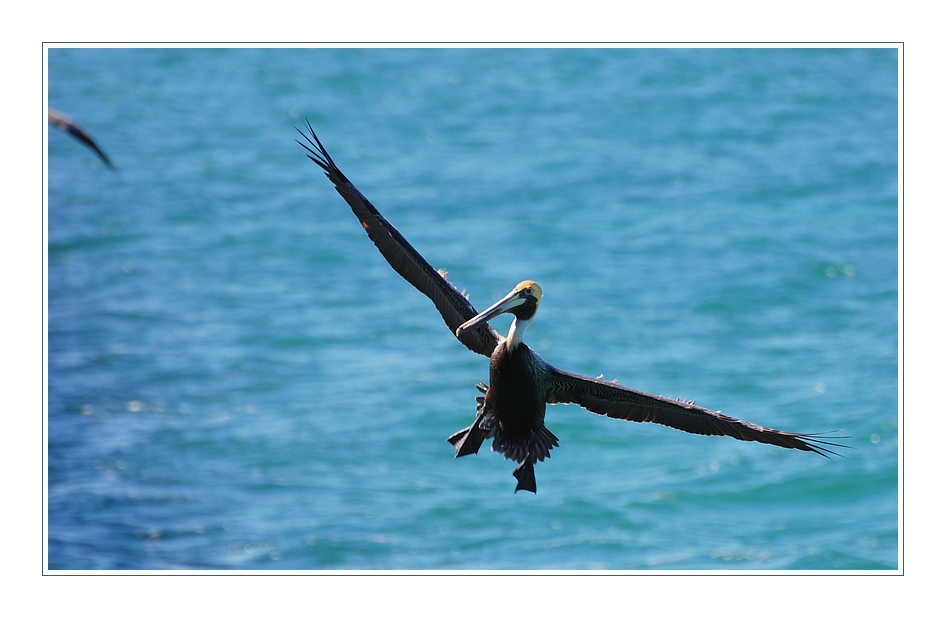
(63, 123)
(403, 258)
(615, 401)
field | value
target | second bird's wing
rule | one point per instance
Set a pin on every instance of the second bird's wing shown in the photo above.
(61, 122)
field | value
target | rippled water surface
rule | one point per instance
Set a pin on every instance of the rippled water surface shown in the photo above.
(237, 380)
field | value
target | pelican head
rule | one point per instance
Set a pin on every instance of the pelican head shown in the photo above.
(523, 301)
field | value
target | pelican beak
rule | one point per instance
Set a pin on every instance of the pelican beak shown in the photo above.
(516, 298)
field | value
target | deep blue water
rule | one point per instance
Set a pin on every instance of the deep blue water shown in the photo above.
(236, 378)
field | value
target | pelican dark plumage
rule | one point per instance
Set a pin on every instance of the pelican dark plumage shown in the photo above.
(66, 124)
(511, 409)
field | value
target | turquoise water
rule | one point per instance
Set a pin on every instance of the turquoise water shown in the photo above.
(237, 380)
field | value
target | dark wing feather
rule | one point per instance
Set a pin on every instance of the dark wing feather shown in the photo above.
(615, 401)
(65, 124)
(403, 258)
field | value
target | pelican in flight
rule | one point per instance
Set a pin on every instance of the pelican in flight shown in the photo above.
(66, 124)
(511, 409)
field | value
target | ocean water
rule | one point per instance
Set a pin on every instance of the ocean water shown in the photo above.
(237, 379)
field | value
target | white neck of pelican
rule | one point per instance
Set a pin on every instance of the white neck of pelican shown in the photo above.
(516, 330)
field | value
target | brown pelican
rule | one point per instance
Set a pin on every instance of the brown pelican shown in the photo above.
(511, 410)
(63, 123)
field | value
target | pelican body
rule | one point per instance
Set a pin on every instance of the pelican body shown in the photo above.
(511, 408)
(512, 411)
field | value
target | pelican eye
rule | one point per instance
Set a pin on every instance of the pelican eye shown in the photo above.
(528, 291)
